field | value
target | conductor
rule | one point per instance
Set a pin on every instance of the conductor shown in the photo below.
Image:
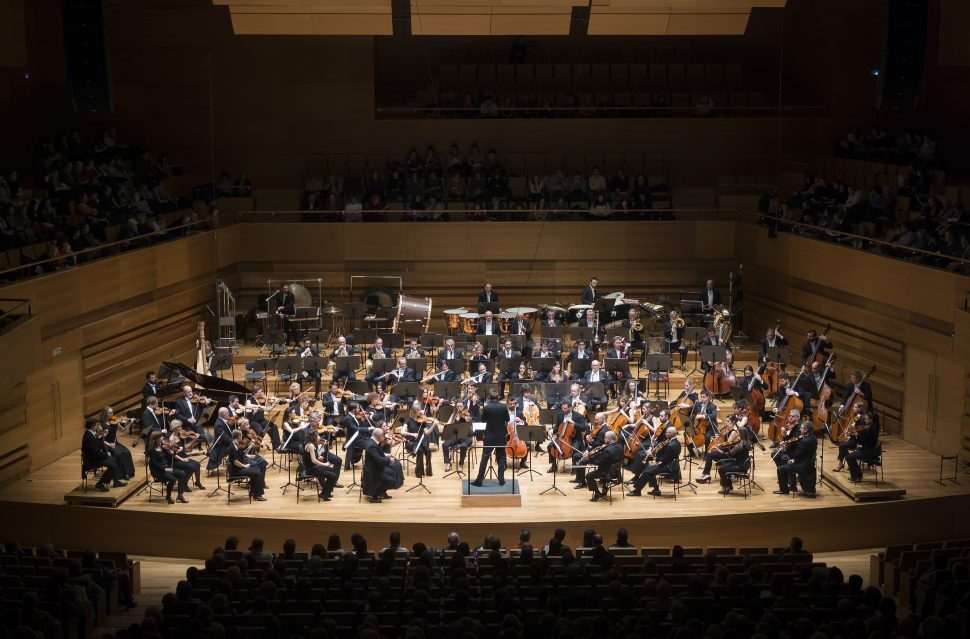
(496, 417)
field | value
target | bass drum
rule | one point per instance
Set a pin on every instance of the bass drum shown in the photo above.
(413, 315)
(377, 298)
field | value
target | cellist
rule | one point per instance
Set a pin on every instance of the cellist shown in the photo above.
(567, 417)
(713, 339)
(596, 436)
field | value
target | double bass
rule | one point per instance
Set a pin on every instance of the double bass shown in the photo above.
(843, 418)
(820, 414)
(815, 356)
(792, 402)
(720, 378)
(769, 371)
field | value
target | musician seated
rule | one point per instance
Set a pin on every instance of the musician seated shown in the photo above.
(799, 464)
(751, 381)
(712, 339)
(588, 320)
(376, 352)
(550, 319)
(487, 325)
(95, 455)
(449, 351)
(856, 384)
(417, 429)
(579, 352)
(559, 444)
(737, 460)
(321, 464)
(162, 469)
(717, 453)
(444, 374)
(704, 415)
(545, 351)
(413, 350)
(309, 350)
(469, 410)
(862, 444)
(480, 375)
(667, 462)
(593, 437)
(487, 295)
(607, 462)
(401, 373)
(380, 468)
(189, 409)
(294, 425)
(772, 339)
(242, 464)
(521, 326)
(596, 374)
(788, 388)
(506, 352)
(635, 337)
(223, 436)
(619, 350)
(658, 433)
(343, 350)
(675, 338)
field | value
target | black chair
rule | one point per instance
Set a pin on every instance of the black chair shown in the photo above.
(674, 480)
(253, 375)
(302, 479)
(874, 464)
(614, 479)
(152, 484)
(87, 470)
(240, 481)
(741, 477)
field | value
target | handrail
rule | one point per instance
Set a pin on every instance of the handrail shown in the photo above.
(19, 309)
(116, 247)
(777, 223)
(691, 214)
(595, 111)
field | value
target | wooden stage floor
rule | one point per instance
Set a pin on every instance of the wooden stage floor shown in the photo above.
(35, 512)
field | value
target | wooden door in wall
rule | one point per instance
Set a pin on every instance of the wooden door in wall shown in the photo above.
(933, 401)
(55, 418)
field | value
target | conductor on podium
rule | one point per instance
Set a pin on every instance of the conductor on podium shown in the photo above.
(496, 417)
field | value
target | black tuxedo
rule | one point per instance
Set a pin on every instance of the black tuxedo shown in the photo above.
(483, 326)
(588, 296)
(763, 348)
(483, 297)
(376, 461)
(447, 376)
(574, 354)
(668, 461)
(822, 349)
(223, 439)
(94, 454)
(149, 390)
(710, 298)
(443, 354)
(634, 337)
(604, 461)
(496, 417)
(864, 388)
(150, 422)
(334, 409)
(186, 410)
(520, 327)
(555, 322)
(384, 353)
(363, 429)
(344, 375)
(800, 466)
(420, 354)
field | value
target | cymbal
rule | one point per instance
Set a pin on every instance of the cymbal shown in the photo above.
(331, 310)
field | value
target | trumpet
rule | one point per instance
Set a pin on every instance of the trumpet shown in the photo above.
(679, 322)
(637, 326)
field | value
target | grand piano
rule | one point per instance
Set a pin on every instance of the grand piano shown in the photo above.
(217, 388)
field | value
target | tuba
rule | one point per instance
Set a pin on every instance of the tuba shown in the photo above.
(722, 324)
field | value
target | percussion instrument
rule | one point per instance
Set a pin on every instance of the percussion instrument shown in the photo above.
(615, 296)
(453, 317)
(559, 312)
(504, 319)
(413, 313)
(301, 296)
(576, 313)
(528, 311)
(330, 309)
(469, 322)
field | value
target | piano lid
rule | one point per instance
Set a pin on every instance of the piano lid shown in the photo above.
(216, 386)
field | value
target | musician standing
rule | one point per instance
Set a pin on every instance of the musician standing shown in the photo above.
(309, 350)
(710, 297)
(95, 455)
(188, 410)
(496, 417)
(604, 460)
(354, 424)
(800, 464)
(668, 462)
(580, 428)
(487, 296)
(855, 386)
(675, 338)
(286, 307)
(150, 389)
(588, 296)
(772, 339)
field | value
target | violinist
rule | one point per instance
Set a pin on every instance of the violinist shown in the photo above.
(153, 418)
(162, 469)
(327, 463)
(604, 458)
(255, 410)
(189, 409)
(355, 423)
(737, 460)
(333, 406)
(95, 455)
(790, 430)
(567, 417)
(772, 339)
(856, 385)
(473, 403)
(243, 465)
(413, 351)
(296, 394)
(592, 438)
(181, 460)
(658, 433)
(314, 465)
(417, 429)
(342, 350)
(380, 407)
(674, 333)
(120, 452)
(464, 414)
(815, 344)
(667, 455)
(294, 425)
(799, 463)
(309, 350)
(223, 437)
(716, 453)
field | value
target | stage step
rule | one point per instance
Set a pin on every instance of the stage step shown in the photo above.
(111, 499)
(491, 495)
(863, 491)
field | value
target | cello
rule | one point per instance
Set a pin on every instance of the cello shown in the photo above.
(792, 402)
(815, 356)
(515, 448)
(562, 438)
(820, 413)
(720, 378)
(843, 418)
(677, 414)
(769, 370)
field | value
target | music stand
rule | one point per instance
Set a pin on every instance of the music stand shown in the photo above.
(221, 362)
(579, 366)
(618, 365)
(617, 331)
(691, 307)
(482, 389)
(779, 355)
(383, 365)
(550, 332)
(277, 341)
(288, 367)
(488, 306)
(362, 337)
(489, 342)
(407, 389)
(431, 341)
(415, 452)
(584, 333)
(552, 417)
(393, 341)
(551, 393)
(345, 364)
(532, 435)
(518, 341)
(510, 365)
(318, 337)
(603, 306)
(694, 335)
(448, 390)
(456, 431)
(657, 362)
(419, 364)
(456, 365)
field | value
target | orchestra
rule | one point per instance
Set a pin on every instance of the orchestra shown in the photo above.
(599, 421)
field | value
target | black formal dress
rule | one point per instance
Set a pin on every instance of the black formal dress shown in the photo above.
(120, 452)
(162, 468)
(253, 472)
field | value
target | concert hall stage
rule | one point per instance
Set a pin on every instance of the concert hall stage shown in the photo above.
(34, 512)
